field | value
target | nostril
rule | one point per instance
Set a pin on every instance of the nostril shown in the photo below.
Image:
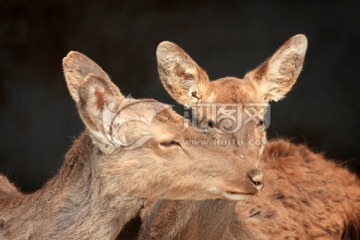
(256, 178)
(256, 183)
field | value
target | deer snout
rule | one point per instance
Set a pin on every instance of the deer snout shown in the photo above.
(256, 179)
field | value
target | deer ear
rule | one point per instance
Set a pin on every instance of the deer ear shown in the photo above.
(276, 76)
(96, 100)
(182, 78)
(76, 67)
(98, 105)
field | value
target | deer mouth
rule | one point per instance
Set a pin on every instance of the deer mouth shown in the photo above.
(232, 195)
(235, 196)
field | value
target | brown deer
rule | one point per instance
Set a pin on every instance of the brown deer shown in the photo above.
(131, 150)
(305, 195)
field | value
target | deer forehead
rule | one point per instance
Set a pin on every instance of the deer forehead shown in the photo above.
(235, 90)
(168, 125)
(129, 121)
(144, 111)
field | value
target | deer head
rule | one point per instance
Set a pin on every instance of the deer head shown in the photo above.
(142, 148)
(231, 104)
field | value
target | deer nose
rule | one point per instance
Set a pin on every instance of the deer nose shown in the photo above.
(256, 179)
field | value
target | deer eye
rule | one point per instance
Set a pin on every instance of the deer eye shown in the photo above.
(261, 122)
(169, 143)
(211, 123)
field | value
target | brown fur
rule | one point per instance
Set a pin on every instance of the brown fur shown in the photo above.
(110, 170)
(305, 196)
(308, 197)
(290, 206)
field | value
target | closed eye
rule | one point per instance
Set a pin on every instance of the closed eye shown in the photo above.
(169, 143)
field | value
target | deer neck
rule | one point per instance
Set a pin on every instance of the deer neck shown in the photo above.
(76, 203)
(209, 219)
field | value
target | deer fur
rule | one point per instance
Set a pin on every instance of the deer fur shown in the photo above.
(130, 150)
(305, 195)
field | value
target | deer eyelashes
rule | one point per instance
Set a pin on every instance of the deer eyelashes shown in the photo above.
(170, 143)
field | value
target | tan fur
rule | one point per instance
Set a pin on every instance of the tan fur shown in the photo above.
(305, 195)
(308, 197)
(7, 189)
(110, 170)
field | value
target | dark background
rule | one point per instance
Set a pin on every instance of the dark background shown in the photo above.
(38, 119)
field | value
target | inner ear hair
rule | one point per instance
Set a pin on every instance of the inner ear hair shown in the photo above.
(277, 75)
(76, 67)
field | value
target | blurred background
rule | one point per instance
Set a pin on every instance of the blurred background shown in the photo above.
(38, 119)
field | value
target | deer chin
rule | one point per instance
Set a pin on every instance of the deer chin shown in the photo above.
(231, 195)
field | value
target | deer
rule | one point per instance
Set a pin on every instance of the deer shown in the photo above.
(129, 151)
(305, 196)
